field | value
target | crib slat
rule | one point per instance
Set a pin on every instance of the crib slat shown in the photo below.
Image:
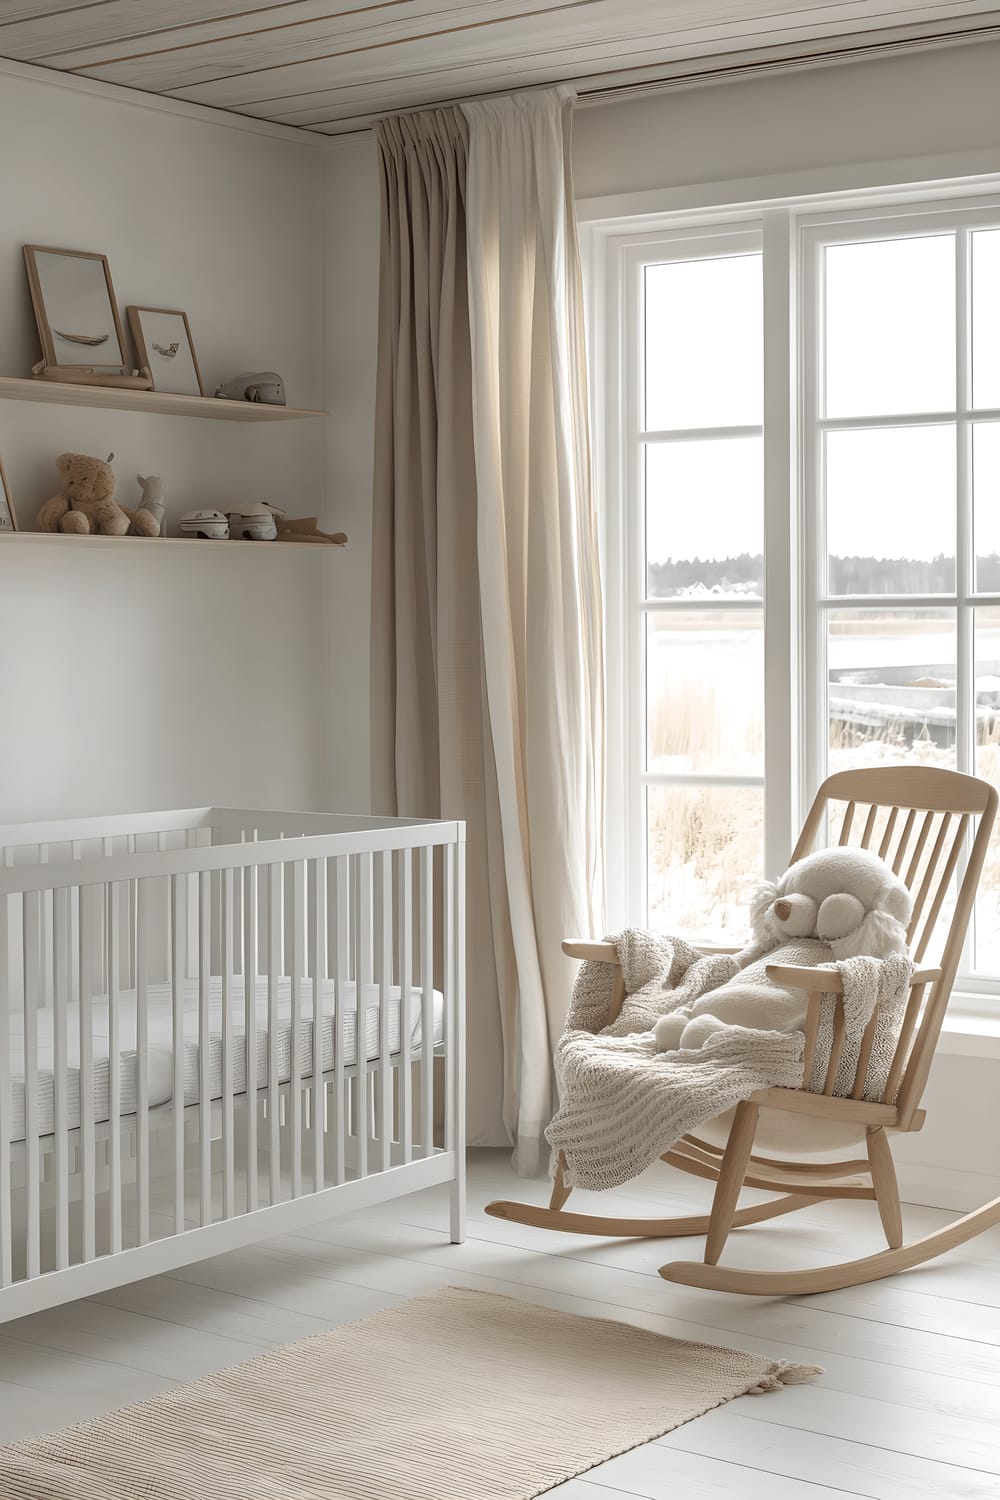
(274, 906)
(383, 875)
(295, 1060)
(427, 1001)
(454, 1033)
(228, 1151)
(340, 956)
(91, 915)
(113, 908)
(142, 926)
(60, 996)
(317, 971)
(405, 1002)
(204, 1045)
(363, 949)
(31, 964)
(178, 913)
(250, 1027)
(6, 1258)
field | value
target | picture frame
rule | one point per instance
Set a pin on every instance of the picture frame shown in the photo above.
(8, 516)
(163, 341)
(75, 308)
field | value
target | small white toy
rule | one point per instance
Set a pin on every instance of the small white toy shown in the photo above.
(211, 524)
(835, 904)
(153, 490)
(261, 385)
(254, 522)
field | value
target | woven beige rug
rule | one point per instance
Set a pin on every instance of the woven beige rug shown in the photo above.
(460, 1395)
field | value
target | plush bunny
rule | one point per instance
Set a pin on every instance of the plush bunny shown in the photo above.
(835, 904)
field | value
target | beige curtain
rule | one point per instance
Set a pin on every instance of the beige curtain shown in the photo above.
(429, 747)
(486, 633)
(539, 580)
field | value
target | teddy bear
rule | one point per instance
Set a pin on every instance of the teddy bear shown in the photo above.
(86, 501)
(835, 904)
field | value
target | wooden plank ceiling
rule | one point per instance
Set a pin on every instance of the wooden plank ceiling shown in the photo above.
(334, 65)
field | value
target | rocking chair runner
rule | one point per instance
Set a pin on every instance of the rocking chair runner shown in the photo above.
(920, 820)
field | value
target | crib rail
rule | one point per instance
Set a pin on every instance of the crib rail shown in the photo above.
(217, 1016)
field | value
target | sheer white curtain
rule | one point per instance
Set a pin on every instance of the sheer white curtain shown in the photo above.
(539, 581)
(486, 613)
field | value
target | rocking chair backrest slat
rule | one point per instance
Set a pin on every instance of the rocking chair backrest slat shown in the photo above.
(930, 872)
(943, 808)
(845, 830)
(836, 1050)
(890, 824)
(904, 839)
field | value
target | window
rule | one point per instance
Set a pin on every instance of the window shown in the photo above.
(901, 421)
(802, 466)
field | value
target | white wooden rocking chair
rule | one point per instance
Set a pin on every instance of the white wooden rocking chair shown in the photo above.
(920, 820)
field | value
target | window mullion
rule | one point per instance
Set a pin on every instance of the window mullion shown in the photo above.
(965, 645)
(781, 709)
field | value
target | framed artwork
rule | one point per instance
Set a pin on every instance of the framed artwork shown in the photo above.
(163, 339)
(75, 309)
(8, 520)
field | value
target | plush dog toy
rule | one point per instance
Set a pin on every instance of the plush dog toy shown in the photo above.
(86, 501)
(835, 904)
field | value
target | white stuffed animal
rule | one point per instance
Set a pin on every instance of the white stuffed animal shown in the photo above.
(835, 904)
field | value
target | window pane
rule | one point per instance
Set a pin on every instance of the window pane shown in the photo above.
(705, 691)
(986, 498)
(704, 343)
(705, 851)
(987, 919)
(890, 510)
(705, 518)
(986, 317)
(890, 327)
(891, 687)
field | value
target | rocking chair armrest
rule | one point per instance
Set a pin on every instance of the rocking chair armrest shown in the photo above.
(813, 981)
(603, 953)
(828, 981)
(607, 953)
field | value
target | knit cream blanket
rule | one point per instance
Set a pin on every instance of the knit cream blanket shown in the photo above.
(623, 1103)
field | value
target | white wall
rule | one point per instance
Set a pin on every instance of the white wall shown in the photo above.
(815, 121)
(169, 677)
(351, 327)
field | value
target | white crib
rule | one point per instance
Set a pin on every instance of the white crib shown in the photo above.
(219, 1024)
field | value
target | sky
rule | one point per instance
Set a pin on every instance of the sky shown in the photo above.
(889, 333)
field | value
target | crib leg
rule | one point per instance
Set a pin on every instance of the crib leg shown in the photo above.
(458, 1207)
(732, 1171)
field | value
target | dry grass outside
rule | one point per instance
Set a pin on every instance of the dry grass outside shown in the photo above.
(705, 844)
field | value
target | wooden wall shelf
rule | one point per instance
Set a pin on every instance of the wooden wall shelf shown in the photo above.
(60, 538)
(61, 393)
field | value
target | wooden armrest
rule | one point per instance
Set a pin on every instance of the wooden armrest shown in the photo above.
(814, 981)
(828, 981)
(603, 953)
(607, 953)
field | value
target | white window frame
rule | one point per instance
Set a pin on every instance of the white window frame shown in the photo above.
(617, 371)
(900, 221)
(795, 655)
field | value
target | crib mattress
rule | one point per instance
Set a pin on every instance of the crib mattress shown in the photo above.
(159, 1009)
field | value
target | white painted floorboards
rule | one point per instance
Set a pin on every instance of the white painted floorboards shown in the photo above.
(909, 1405)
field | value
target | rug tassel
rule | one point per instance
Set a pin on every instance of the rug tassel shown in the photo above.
(785, 1372)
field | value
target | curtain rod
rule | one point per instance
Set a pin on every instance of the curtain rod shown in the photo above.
(601, 92)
